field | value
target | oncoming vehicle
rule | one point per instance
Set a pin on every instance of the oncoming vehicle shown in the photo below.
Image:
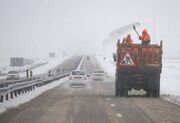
(98, 75)
(78, 77)
(13, 75)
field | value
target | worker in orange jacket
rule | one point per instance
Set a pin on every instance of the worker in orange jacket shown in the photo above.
(128, 40)
(145, 37)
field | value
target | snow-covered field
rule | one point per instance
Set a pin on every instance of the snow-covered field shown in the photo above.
(31, 95)
(52, 63)
(5, 67)
(170, 76)
(41, 69)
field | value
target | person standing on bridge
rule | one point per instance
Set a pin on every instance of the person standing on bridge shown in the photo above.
(145, 37)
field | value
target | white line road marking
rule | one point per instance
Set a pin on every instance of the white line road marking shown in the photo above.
(112, 105)
(108, 98)
(118, 115)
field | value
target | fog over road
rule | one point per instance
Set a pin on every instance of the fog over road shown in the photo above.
(94, 103)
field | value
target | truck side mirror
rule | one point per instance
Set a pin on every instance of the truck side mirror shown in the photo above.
(114, 57)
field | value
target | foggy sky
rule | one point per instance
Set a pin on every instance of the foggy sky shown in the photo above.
(33, 28)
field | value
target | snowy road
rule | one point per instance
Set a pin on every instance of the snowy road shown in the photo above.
(94, 103)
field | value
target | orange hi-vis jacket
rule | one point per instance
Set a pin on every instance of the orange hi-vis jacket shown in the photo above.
(128, 41)
(145, 37)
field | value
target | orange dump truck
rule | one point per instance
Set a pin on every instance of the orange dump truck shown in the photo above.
(138, 67)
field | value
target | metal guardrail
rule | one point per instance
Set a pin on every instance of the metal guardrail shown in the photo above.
(16, 86)
(22, 87)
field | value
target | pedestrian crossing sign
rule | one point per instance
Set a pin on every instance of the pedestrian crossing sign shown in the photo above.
(127, 60)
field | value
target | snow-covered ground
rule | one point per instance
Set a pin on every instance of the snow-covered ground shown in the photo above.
(31, 95)
(42, 66)
(5, 67)
(170, 76)
(52, 63)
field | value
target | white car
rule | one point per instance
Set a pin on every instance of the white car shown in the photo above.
(78, 77)
(13, 75)
(98, 75)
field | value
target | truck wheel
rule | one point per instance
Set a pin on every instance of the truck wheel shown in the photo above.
(116, 92)
(149, 87)
(125, 92)
(118, 87)
(148, 92)
(156, 91)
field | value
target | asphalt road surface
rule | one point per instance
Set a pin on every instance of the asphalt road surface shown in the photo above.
(93, 103)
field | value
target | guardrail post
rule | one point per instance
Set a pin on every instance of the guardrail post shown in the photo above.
(22, 90)
(29, 89)
(7, 96)
(33, 87)
(25, 90)
(19, 92)
(2, 98)
(11, 95)
(15, 93)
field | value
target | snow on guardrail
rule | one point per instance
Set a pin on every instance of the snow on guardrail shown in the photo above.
(19, 90)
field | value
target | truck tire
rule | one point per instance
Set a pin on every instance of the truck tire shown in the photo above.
(153, 86)
(149, 87)
(156, 90)
(125, 92)
(118, 87)
(124, 89)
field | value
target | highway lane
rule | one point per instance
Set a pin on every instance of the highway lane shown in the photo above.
(94, 103)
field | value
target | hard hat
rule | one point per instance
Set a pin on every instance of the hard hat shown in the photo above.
(129, 35)
(145, 30)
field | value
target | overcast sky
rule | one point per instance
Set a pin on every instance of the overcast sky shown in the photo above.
(33, 28)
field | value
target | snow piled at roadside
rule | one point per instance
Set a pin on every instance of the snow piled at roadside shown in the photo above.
(51, 63)
(29, 95)
(170, 76)
(26, 97)
(36, 62)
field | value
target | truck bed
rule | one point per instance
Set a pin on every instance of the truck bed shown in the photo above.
(139, 56)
